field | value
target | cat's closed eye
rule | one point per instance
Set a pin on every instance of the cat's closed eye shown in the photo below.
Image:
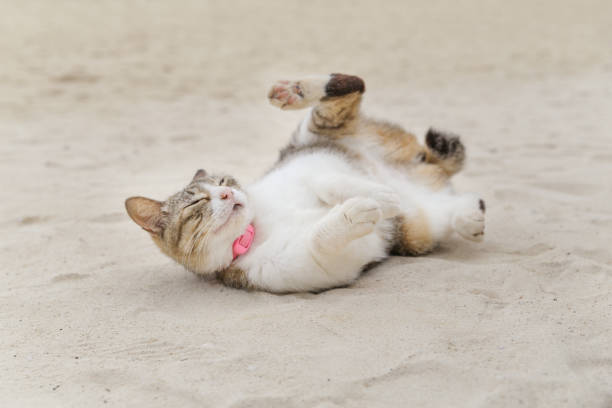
(197, 201)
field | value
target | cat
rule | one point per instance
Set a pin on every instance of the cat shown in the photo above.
(346, 192)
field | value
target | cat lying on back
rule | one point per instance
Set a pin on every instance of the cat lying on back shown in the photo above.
(347, 191)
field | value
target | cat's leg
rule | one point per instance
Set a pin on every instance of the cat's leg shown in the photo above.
(346, 222)
(335, 101)
(419, 232)
(313, 90)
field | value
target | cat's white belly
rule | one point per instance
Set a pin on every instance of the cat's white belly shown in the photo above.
(286, 211)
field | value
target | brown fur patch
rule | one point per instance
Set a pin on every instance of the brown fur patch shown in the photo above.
(431, 175)
(412, 236)
(336, 117)
(234, 278)
(401, 147)
(341, 84)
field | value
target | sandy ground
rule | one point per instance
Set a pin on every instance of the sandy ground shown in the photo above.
(103, 100)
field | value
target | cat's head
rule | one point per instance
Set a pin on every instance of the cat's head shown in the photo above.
(198, 225)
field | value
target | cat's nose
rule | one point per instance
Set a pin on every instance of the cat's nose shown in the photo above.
(227, 194)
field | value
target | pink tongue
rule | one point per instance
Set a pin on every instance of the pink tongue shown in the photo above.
(243, 243)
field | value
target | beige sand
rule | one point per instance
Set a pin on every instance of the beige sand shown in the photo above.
(99, 102)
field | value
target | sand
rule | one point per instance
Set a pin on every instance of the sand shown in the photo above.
(103, 100)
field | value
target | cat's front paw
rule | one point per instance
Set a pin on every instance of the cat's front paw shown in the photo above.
(361, 215)
(286, 95)
(469, 219)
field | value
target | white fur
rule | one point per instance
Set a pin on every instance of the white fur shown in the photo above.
(319, 220)
(305, 240)
(446, 211)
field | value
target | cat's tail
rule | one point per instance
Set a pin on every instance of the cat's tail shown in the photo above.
(446, 150)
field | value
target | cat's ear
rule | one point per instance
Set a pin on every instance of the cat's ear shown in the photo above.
(199, 174)
(145, 212)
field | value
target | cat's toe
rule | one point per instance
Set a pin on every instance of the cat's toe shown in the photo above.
(362, 211)
(286, 94)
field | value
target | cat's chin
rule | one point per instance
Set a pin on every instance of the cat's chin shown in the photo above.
(235, 217)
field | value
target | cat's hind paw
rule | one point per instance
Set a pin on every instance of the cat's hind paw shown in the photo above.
(469, 219)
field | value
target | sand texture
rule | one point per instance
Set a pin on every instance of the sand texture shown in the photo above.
(100, 100)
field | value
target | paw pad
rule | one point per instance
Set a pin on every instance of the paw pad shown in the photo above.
(286, 93)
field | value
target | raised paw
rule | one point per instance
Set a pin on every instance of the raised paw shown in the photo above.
(311, 90)
(353, 219)
(469, 219)
(286, 95)
(444, 144)
(361, 215)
